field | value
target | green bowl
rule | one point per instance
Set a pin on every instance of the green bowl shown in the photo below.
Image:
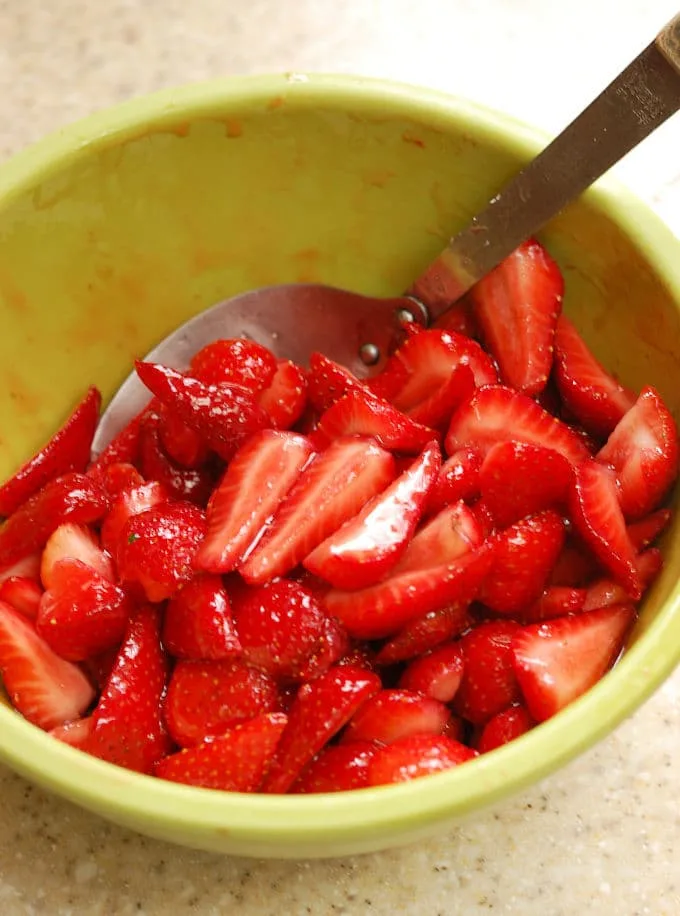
(115, 230)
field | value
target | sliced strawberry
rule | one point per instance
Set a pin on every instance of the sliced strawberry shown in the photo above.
(76, 733)
(99, 667)
(362, 413)
(44, 688)
(518, 479)
(71, 498)
(489, 683)
(235, 761)
(81, 614)
(436, 674)
(588, 391)
(365, 548)
(333, 649)
(258, 478)
(606, 592)
(198, 624)
(516, 306)
(425, 633)
(124, 447)
(387, 607)
(285, 399)
(330, 490)
(443, 539)
(645, 531)
(458, 479)
(205, 698)
(281, 627)
(504, 727)
(23, 594)
(157, 549)
(575, 566)
(338, 768)
(224, 415)
(68, 450)
(436, 410)
(128, 729)
(129, 503)
(596, 514)
(118, 478)
(74, 542)
(192, 484)
(556, 662)
(180, 442)
(394, 714)
(235, 361)
(328, 381)
(523, 557)
(416, 756)
(319, 710)
(497, 414)
(28, 567)
(460, 317)
(643, 449)
(556, 601)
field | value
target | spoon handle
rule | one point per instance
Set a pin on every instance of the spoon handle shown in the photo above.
(641, 98)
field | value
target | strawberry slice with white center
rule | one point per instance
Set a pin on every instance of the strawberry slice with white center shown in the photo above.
(436, 410)
(330, 490)
(646, 530)
(255, 483)
(23, 594)
(130, 502)
(458, 479)
(556, 662)
(445, 538)
(596, 514)
(328, 381)
(396, 713)
(644, 451)
(498, 414)
(362, 413)
(364, 549)
(285, 399)
(516, 306)
(587, 390)
(46, 689)
(74, 542)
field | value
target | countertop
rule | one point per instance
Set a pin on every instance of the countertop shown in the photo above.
(601, 836)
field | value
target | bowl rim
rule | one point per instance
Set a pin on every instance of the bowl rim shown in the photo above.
(169, 808)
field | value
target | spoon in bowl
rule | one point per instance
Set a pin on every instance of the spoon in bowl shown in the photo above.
(296, 319)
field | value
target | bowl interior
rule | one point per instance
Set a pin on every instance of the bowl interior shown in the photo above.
(117, 229)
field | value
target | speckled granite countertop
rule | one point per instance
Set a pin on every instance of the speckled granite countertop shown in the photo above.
(603, 835)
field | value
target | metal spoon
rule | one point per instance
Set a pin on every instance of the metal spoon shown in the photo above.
(294, 320)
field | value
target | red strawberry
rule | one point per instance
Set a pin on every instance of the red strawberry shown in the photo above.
(575, 565)
(181, 443)
(128, 729)
(330, 490)
(192, 484)
(124, 447)
(198, 624)
(224, 415)
(76, 733)
(489, 682)
(158, 547)
(44, 688)
(365, 548)
(328, 381)
(285, 399)
(436, 410)
(516, 306)
(460, 317)
(446, 537)
(258, 478)
(333, 649)
(606, 592)
(518, 479)
(426, 632)
(205, 698)
(458, 479)
(416, 756)
(28, 567)
(556, 662)
(643, 449)
(588, 391)
(645, 531)
(71, 498)
(497, 414)
(436, 674)
(319, 710)
(362, 413)
(504, 727)
(281, 627)
(597, 517)
(129, 503)
(68, 450)
(23, 594)
(118, 478)
(394, 714)
(235, 361)
(81, 614)
(99, 667)
(74, 542)
(523, 558)
(235, 761)
(387, 607)
(556, 601)
(338, 768)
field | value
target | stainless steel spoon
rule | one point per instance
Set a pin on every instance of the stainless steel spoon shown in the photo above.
(294, 320)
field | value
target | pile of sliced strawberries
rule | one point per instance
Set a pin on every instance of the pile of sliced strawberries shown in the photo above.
(288, 580)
